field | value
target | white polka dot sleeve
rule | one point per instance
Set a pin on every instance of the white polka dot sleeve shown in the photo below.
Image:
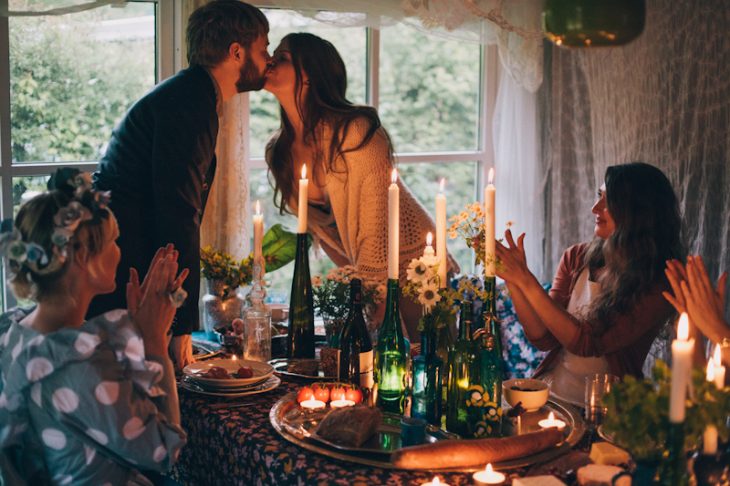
(99, 404)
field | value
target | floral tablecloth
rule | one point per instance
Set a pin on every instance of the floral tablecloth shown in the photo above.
(238, 446)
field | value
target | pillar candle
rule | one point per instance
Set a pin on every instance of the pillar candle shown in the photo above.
(489, 242)
(681, 369)
(441, 234)
(258, 233)
(718, 368)
(303, 200)
(393, 226)
(716, 374)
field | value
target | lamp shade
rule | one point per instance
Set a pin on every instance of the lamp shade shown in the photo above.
(591, 23)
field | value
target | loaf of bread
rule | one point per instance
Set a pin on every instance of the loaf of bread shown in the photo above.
(599, 475)
(475, 452)
(351, 426)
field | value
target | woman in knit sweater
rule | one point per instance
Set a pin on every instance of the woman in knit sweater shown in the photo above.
(605, 306)
(350, 156)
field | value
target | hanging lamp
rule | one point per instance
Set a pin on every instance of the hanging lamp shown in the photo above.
(592, 23)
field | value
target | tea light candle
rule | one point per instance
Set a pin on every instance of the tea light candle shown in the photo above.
(435, 482)
(341, 403)
(312, 404)
(488, 476)
(551, 421)
(234, 358)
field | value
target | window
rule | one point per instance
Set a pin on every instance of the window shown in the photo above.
(429, 99)
(70, 80)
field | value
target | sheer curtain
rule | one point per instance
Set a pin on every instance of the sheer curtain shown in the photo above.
(662, 99)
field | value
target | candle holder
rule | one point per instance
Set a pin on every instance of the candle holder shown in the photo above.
(257, 319)
(710, 469)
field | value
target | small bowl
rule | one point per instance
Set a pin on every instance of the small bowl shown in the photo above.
(533, 393)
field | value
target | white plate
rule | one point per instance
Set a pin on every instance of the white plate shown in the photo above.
(268, 385)
(261, 371)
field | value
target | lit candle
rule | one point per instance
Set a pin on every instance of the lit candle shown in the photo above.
(490, 253)
(434, 482)
(681, 368)
(441, 234)
(718, 368)
(341, 403)
(551, 421)
(312, 404)
(393, 226)
(303, 189)
(488, 476)
(428, 251)
(258, 233)
(716, 374)
(234, 358)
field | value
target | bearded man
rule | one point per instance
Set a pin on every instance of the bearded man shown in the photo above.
(160, 162)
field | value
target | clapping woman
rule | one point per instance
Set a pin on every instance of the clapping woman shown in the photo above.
(84, 402)
(605, 306)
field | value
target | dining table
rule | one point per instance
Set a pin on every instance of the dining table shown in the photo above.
(231, 441)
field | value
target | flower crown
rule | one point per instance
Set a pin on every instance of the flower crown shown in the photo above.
(86, 204)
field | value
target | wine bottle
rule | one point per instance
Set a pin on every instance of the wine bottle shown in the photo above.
(673, 469)
(461, 374)
(391, 356)
(427, 383)
(356, 350)
(491, 369)
(300, 339)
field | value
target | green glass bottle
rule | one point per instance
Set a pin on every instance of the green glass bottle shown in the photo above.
(356, 350)
(427, 382)
(461, 373)
(391, 356)
(673, 470)
(300, 339)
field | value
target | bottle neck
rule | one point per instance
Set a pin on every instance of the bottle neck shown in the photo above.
(391, 321)
(490, 288)
(465, 321)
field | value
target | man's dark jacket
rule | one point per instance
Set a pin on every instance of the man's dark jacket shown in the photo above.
(159, 165)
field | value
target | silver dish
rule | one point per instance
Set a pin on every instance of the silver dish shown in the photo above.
(298, 427)
(281, 368)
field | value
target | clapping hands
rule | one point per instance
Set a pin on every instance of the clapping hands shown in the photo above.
(512, 266)
(149, 304)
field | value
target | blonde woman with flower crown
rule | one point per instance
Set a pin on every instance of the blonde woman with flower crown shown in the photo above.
(84, 402)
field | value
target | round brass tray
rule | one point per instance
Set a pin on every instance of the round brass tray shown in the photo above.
(574, 431)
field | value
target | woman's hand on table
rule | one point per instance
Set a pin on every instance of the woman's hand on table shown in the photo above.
(512, 262)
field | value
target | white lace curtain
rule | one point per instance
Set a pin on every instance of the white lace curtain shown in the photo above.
(662, 99)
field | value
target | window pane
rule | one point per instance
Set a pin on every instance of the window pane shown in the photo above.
(429, 91)
(25, 188)
(423, 181)
(350, 43)
(72, 78)
(279, 281)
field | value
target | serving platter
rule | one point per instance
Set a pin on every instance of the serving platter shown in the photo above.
(281, 368)
(298, 428)
(197, 371)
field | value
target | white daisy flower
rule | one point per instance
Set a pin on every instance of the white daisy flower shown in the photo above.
(429, 295)
(418, 271)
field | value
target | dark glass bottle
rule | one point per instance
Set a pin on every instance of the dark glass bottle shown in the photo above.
(491, 324)
(356, 350)
(673, 470)
(461, 374)
(427, 382)
(391, 356)
(300, 339)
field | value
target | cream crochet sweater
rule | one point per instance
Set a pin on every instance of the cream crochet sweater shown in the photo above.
(358, 196)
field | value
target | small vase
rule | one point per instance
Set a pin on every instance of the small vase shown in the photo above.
(220, 307)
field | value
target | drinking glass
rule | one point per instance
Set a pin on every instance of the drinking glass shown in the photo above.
(257, 334)
(596, 386)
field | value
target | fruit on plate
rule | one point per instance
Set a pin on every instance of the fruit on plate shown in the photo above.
(337, 393)
(305, 393)
(321, 393)
(217, 372)
(244, 372)
(353, 394)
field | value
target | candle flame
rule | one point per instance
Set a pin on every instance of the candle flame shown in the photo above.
(429, 239)
(394, 175)
(304, 171)
(441, 184)
(489, 468)
(258, 207)
(717, 356)
(234, 358)
(683, 327)
(710, 371)
(551, 417)
(490, 178)
(435, 481)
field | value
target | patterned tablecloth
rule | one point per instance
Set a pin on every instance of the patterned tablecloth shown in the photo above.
(240, 446)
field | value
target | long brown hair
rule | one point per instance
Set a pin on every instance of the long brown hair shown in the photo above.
(325, 103)
(645, 210)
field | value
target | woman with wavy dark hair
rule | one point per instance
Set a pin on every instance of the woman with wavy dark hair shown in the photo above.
(605, 306)
(349, 157)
